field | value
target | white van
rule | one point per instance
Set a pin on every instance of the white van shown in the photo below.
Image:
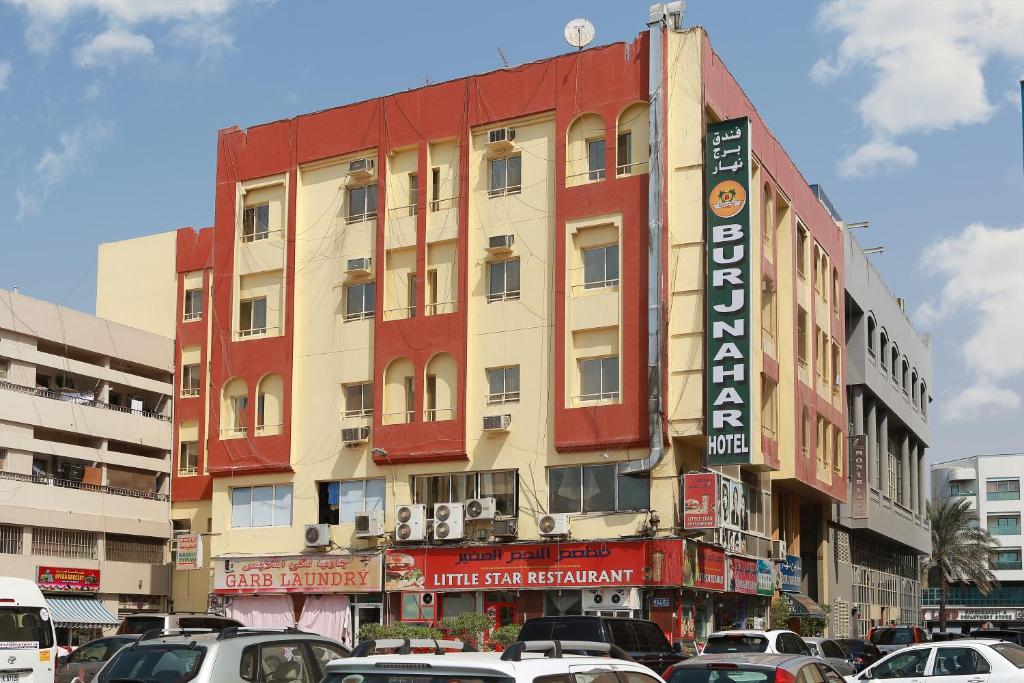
(28, 644)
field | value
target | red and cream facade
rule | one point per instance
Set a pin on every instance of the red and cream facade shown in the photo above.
(275, 375)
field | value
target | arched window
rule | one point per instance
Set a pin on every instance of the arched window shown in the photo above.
(399, 392)
(440, 387)
(270, 405)
(836, 290)
(233, 408)
(905, 376)
(924, 399)
(894, 358)
(767, 221)
(631, 140)
(816, 269)
(805, 433)
(871, 336)
(883, 349)
(585, 150)
(913, 386)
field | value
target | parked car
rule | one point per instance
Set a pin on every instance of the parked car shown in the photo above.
(833, 653)
(643, 640)
(142, 623)
(1009, 635)
(959, 661)
(937, 636)
(891, 638)
(753, 667)
(233, 655)
(776, 642)
(862, 653)
(82, 664)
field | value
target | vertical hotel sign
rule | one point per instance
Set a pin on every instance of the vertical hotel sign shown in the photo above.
(727, 328)
(859, 477)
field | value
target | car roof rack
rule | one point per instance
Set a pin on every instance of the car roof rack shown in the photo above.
(404, 646)
(158, 632)
(240, 631)
(553, 649)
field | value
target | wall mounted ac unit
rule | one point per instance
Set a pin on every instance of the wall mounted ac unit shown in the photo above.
(611, 598)
(410, 522)
(480, 508)
(500, 244)
(553, 524)
(448, 521)
(361, 170)
(369, 524)
(353, 436)
(359, 267)
(505, 528)
(317, 535)
(497, 423)
(501, 139)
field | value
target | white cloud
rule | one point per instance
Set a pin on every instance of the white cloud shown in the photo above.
(926, 59)
(981, 269)
(92, 91)
(55, 164)
(879, 153)
(112, 47)
(5, 74)
(210, 38)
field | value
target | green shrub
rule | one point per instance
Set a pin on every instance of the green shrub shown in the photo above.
(467, 627)
(505, 635)
(400, 630)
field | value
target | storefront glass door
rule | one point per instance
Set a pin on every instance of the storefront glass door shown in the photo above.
(364, 614)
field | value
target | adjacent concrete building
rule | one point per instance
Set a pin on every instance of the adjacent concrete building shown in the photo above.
(85, 458)
(882, 531)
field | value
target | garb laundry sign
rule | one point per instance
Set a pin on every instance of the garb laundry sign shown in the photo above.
(344, 573)
(728, 368)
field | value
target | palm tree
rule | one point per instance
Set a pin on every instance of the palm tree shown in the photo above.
(960, 551)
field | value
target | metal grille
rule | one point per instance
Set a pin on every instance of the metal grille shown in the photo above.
(132, 549)
(843, 545)
(840, 618)
(10, 539)
(64, 543)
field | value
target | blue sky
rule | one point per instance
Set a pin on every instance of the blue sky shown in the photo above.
(908, 113)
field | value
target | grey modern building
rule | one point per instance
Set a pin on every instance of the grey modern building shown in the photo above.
(878, 538)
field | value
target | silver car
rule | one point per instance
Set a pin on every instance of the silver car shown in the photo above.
(833, 653)
(234, 655)
(82, 664)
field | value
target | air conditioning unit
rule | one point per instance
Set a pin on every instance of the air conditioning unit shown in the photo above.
(361, 170)
(448, 521)
(410, 522)
(353, 436)
(553, 524)
(500, 244)
(505, 528)
(370, 524)
(501, 139)
(359, 267)
(778, 550)
(480, 508)
(497, 423)
(317, 535)
(611, 598)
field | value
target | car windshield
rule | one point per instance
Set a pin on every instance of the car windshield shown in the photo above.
(891, 636)
(139, 625)
(854, 647)
(23, 625)
(401, 677)
(711, 674)
(155, 664)
(735, 643)
(571, 629)
(1012, 653)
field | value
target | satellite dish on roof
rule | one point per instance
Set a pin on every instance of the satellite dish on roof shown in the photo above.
(579, 33)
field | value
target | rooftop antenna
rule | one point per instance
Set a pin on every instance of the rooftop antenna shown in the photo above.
(503, 59)
(579, 33)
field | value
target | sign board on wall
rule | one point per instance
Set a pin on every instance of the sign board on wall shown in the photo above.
(859, 477)
(188, 552)
(700, 500)
(710, 568)
(742, 575)
(727, 330)
(349, 573)
(791, 575)
(68, 579)
(765, 578)
(536, 565)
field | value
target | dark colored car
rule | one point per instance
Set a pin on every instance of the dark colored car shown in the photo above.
(643, 640)
(863, 653)
(141, 623)
(939, 636)
(1009, 635)
(752, 668)
(892, 638)
(83, 663)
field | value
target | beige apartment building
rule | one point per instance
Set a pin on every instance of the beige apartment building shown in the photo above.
(85, 458)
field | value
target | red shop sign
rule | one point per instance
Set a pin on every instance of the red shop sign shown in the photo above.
(710, 568)
(535, 565)
(70, 579)
(744, 575)
(700, 500)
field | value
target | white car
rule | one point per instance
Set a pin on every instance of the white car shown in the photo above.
(953, 661)
(395, 661)
(749, 640)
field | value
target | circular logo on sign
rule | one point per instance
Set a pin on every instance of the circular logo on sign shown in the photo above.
(44, 614)
(727, 199)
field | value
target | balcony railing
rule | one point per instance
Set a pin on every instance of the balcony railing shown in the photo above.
(1002, 495)
(47, 480)
(1006, 565)
(79, 399)
(1004, 530)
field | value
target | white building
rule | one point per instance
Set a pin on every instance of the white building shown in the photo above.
(85, 457)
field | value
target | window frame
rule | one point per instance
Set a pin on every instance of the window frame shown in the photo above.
(583, 494)
(251, 331)
(273, 505)
(417, 481)
(190, 298)
(364, 313)
(606, 282)
(363, 487)
(504, 396)
(602, 396)
(363, 411)
(250, 230)
(191, 380)
(624, 153)
(504, 189)
(596, 162)
(506, 294)
(368, 197)
(193, 454)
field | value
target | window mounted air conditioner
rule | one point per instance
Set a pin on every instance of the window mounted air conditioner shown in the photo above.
(410, 522)
(369, 524)
(317, 535)
(361, 170)
(553, 524)
(497, 423)
(501, 139)
(359, 267)
(500, 244)
(353, 436)
(505, 528)
(480, 508)
(448, 521)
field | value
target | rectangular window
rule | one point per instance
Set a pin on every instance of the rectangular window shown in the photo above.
(595, 159)
(431, 293)
(190, 380)
(1002, 489)
(802, 334)
(601, 267)
(624, 153)
(193, 303)
(596, 488)
(1004, 525)
(768, 409)
(359, 399)
(252, 316)
(256, 223)
(430, 397)
(410, 398)
(360, 299)
(362, 203)
(503, 280)
(801, 252)
(1008, 558)
(188, 458)
(261, 506)
(341, 500)
(435, 188)
(238, 406)
(505, 176)
(502, 486)
(599, 379)
(5, 368)
(503, 385)
(411, 298)
(414, 193)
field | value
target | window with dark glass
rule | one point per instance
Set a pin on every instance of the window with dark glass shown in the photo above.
(601, 267)
(596, 488)
(360, 299)
(595, 159)
(362, 203)
(503, 280)
(256, 223)
(505, 176)
(599, 379)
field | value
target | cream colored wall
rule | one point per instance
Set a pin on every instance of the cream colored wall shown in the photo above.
(634, 119)
(585, 128)
(442, 258)
(443, 222)
(398, 266)
(190, 588)
(137, 284)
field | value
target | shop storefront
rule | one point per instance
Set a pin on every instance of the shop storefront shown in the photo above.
(746, 602)
(331, 594)
(72, 596)
(801, 605)
(966, 619)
